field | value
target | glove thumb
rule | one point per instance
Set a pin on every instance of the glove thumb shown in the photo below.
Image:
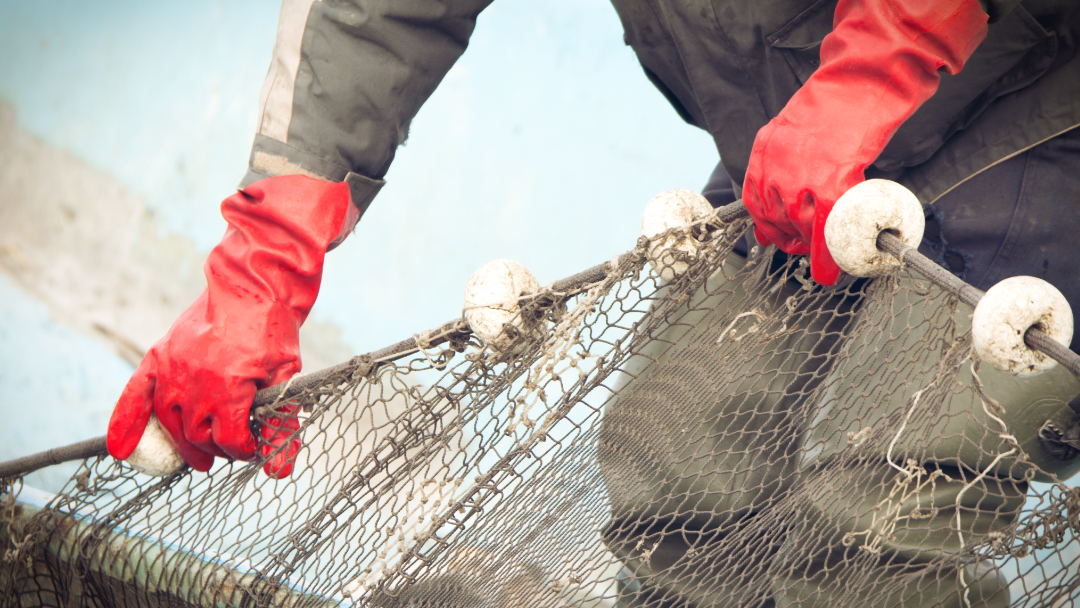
(132, 412)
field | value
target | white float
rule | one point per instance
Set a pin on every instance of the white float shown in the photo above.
(1007, 311)
(669, 255)
(491, 302)
(863, 213)
(155, 455)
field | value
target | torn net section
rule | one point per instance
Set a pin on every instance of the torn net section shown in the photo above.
(736, 437)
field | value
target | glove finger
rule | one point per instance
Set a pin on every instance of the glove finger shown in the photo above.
(795, 246)
(171, 419)
(233, 436)
(762, 240)
(277, 431)
(804, 215)
(779, 211)
(281, 464)
(767, 211)
(787, 242)
(284, 372)
(197, 422)
(757, 206)
(279, 427)
(231, 427)
(767, 233)
(200, 403)
(133, 409)
(822, 267)
(794, 214)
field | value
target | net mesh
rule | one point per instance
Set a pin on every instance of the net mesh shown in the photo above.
(739, 436)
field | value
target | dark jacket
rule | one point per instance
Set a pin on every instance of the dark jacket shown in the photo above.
(728, 66)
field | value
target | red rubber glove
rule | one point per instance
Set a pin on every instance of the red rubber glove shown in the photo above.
(242, 333)
(878, 65)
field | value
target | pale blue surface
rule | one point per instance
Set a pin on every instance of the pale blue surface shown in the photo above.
(57, 386)
(161, 95)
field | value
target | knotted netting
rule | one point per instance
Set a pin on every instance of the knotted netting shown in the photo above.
(736, 436)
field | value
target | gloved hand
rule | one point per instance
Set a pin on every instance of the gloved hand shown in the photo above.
(878, 65)
(242, 333)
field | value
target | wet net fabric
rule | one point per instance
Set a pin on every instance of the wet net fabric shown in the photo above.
(738, 436)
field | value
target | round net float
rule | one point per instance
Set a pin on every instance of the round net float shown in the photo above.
(155, 455)
(491, 305)
(864, 212)
(672, 254)
(1004, 315)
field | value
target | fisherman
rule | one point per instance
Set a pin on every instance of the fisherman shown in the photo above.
(755, 463)
(969, 103)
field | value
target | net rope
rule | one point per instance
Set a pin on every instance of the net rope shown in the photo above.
(738, 436)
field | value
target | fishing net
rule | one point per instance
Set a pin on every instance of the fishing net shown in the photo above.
(736, 436)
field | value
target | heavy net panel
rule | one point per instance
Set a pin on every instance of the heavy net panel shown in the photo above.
(737, 436)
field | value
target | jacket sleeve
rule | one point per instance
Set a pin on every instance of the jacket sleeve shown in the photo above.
(997, 9)
(346, 80)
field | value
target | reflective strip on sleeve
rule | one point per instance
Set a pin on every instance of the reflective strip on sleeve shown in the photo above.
(276, 98)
